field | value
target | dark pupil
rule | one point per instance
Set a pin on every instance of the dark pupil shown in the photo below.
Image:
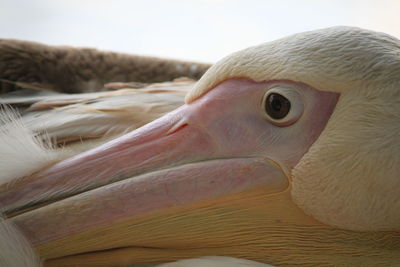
(277, 106)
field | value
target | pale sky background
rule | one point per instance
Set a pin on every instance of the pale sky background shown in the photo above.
(202, 30)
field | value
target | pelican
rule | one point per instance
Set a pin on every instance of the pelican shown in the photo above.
(286, 153)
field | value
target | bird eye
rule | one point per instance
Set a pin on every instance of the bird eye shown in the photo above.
(283, 106)
(277, 106)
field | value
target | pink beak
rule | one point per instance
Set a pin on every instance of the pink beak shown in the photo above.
(219, 145)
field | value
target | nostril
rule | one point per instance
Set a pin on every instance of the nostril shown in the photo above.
(178, 126)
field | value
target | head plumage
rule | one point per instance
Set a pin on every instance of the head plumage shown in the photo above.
(350, 177)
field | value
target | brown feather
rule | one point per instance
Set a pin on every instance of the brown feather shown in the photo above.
(73, 70)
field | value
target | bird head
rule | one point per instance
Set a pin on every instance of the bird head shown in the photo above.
(281, 150)
(349, 175)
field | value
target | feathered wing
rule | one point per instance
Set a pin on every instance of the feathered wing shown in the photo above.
(21, 150)
(82, 121)
(21, 153)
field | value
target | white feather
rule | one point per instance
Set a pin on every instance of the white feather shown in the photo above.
(15, 251)
(21, 152)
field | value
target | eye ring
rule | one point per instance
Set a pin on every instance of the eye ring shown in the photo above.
(282, 106)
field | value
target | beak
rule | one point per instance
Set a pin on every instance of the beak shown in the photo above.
(201, 177)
